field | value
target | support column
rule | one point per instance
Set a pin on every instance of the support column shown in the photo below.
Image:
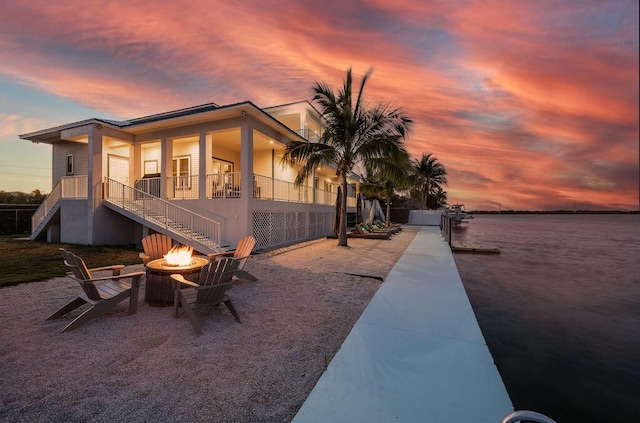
(205, 163)
(246, 176)
(166, 167)
(137, 163)
(95, 177)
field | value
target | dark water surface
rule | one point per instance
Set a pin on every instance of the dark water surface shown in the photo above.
(560, 311)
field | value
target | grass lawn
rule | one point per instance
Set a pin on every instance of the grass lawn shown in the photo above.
(30, 261)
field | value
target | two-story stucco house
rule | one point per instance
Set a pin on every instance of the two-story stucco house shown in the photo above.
(206, 176)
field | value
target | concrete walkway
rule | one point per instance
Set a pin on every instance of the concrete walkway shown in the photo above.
(416, 354)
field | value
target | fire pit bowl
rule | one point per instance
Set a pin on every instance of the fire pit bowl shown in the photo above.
(158, 290)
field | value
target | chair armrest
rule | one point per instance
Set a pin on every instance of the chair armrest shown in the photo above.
(144, 257)
(116, 268)
(220, 254)
(178, 278)
(116, 277)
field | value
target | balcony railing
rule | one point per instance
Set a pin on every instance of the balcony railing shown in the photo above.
(266, 188)
(326, 197)
(149, 186)
(183, 187)
(227, 185)
(308, 134)
(223, 185)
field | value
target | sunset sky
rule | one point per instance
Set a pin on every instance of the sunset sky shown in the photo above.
(530, 105)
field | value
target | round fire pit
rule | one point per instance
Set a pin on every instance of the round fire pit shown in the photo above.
(158, 290)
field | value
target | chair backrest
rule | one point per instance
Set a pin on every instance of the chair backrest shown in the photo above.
(217, 276)
(244, 249)
(155, 246)
(81, 273)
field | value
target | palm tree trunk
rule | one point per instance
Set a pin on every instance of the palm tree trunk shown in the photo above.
(342, 232)
(426, 193)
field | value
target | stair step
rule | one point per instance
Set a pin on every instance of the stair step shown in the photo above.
(177, 228)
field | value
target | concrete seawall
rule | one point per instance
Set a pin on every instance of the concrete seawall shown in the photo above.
(416, 354)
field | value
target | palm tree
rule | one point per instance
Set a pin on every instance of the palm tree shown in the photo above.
(432, 175)
(437, 199)
(354, 133)
(387, 176)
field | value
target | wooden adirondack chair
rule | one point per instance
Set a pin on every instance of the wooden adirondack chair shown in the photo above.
(155, 246)
(214, 281)
(242, 253)
(102, 293)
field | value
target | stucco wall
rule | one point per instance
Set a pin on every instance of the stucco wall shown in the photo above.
(112, 228)
(73, 222)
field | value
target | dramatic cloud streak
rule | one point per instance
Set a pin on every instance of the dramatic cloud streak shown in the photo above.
(529, 105)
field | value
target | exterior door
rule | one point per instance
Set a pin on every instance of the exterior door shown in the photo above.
(118, 170)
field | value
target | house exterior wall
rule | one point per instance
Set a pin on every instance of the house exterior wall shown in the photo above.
(263, 163)
(112, 228)
(288, 219)
(60, 151)
(223, 153)
(149, 153)
(73, 222)
(187, 148)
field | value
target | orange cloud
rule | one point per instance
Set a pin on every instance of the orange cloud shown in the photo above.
(528, 104)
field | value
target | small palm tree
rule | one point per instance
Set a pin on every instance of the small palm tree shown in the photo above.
(386, 177)
(431, 175)
(437, 199)
(354, 133)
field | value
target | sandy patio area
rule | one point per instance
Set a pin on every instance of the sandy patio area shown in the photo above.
(151, 368)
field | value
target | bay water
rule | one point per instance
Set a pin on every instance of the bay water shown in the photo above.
(560, 310)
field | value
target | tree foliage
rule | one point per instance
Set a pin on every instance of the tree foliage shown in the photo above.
(431, 176)
(355, 133)
(387, 177)
(34, 197)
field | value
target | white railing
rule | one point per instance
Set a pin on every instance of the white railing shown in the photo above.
(227, 185)
(288, 191)
(266, 188)
(326, 197)
(69, 187)
(176, 219)
(223, 185)
(149, 186)
(262, 187)
(308, 134)
(183, 187)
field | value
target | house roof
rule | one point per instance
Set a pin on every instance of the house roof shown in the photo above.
(180, 117)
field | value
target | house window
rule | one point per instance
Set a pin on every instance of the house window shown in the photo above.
(182, 172)
(69, 164)
(222, 169)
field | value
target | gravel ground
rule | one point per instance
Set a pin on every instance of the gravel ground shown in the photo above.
(151, 368)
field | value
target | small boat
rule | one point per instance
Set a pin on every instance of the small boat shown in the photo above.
(458, 214)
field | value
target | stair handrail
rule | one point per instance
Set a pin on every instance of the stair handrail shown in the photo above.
(196, 223)
(67, 187)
